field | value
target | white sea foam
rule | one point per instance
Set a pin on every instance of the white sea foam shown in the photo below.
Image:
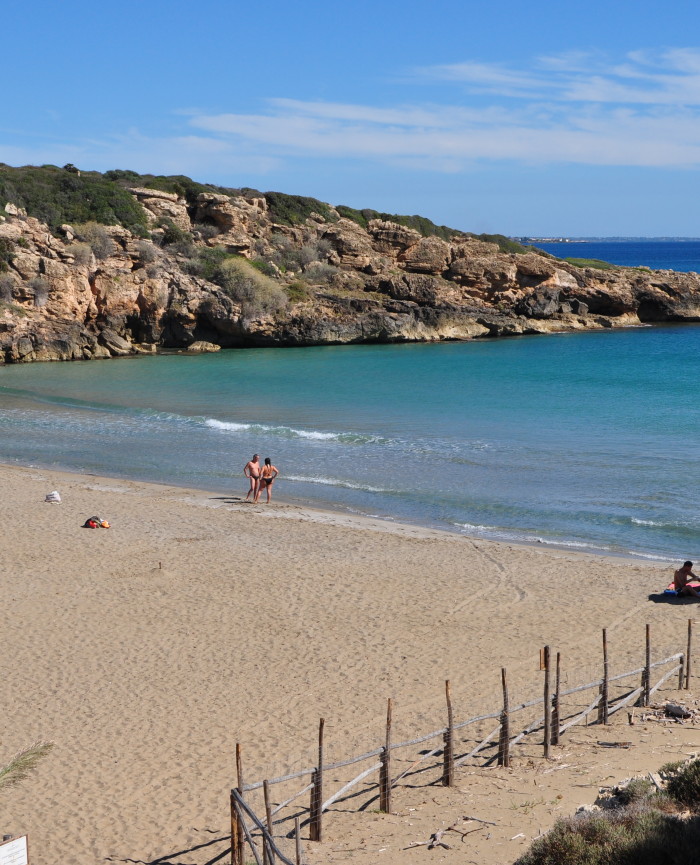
(291, 432)
(499, 534)
(334, 482)
(645, 522)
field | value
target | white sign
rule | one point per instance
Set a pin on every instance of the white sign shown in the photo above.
(14, 852)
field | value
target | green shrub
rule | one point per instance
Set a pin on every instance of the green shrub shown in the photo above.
(98, 239)
(57, 196)
(206, 262)
(287, 256)
(264, 267)
(321, 271)
(6, 253)
(296, 209)
(8, 283)
(246, 285)
(631, 837)
(638, 790)
(591, 262)
(424, 226)
(172, 233)
(82, 253)
(505, 244)
(298, 291)
(147, 252)
(206, 230)
(684, 786)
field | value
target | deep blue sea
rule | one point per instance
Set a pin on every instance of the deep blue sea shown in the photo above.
(656, 254)
(588, 440)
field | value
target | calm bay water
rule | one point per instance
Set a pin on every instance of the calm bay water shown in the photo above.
(588, 440)
(683, 256)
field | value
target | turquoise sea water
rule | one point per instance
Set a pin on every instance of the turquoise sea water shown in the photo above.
(588, 440)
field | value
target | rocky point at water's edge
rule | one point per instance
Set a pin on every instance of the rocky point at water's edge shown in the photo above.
(390, 284)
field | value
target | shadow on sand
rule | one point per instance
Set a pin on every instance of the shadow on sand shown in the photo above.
(674, 600)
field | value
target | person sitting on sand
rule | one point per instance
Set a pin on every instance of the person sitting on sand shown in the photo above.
(252, 472)
(267, 476)
(680, 580)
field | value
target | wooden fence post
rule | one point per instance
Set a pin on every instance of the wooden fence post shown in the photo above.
(234, 833)
(687, 654)
(297, 840)
(448, 771)
(647, 667)
(504, 741)
(554, 737)
(547, 704)
(240, 834)
(603, 706)
(316, 817)
(681, 673)
(268, 853)
(385, 768)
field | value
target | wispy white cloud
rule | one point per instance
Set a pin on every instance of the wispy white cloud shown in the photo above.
(670, 77)
(642, 109)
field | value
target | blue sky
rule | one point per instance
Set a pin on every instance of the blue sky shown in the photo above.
(515, 117)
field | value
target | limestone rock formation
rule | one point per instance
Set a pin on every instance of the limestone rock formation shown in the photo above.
(67, 298)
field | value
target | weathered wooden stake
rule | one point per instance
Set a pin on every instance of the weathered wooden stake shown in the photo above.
(555, 705)
(688, 655)
(315, 823)
(240, 833)
(603, 705)
(448, 769)
(504, 741)
(234, 834)
(681, 673)
(385, 768)
(297, 840)
(547, 704)
(268, 854)
(647, 667)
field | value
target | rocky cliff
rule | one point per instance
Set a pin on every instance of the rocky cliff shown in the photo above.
(217, 270)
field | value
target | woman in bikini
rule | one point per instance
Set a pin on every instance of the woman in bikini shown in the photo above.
(267, 476)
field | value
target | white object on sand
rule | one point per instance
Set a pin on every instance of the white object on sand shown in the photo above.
(53, 497)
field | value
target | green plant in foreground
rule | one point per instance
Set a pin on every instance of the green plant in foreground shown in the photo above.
(22, 764)
(646, 830)
(684, 787)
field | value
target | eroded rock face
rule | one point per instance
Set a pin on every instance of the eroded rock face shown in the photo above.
(60, 301)
(163, 205)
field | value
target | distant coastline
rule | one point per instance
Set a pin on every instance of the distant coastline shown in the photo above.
(533, 239)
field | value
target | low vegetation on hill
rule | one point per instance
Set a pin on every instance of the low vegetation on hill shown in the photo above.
(62, 195)
(640, 826)
(65, 195)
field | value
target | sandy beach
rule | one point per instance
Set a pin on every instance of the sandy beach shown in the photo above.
(146, 651)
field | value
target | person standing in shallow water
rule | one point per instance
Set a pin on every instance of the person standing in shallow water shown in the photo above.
(267, 476)
(252, 472)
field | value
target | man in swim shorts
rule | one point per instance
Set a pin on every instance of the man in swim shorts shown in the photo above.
(252, 472)
(680, 580)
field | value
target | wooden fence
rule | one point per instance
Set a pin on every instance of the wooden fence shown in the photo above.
(553, 722)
